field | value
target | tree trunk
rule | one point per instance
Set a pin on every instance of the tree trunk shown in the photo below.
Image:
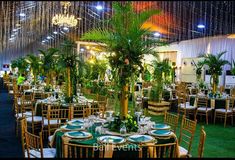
(124, 102)
(215, 83)
(69, 93)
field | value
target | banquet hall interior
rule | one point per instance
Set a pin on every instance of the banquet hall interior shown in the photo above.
(117, 79)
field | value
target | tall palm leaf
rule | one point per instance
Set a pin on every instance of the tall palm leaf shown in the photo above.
(125, 42)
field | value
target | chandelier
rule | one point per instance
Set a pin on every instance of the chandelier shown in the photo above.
(65, 20)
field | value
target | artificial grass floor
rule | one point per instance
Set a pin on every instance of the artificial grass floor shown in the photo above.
(220, 141)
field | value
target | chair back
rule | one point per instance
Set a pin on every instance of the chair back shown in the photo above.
(231, 103)
(202, 102)
(201, 142)
(187, 131)
(81, 151)
(79, 110)
(31, 143)
(59, 115)
(174, 94)
(167, 150)
(172, 120)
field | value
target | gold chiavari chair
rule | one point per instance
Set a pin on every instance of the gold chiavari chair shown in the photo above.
(225, 112)
(33, 144)
(23, 108)
(201, 142)
(167, 150)
(187, 131)
(79, 110)
(172, 120)
(183, 107)
(202, 107)
(71, 150)
(102, 103)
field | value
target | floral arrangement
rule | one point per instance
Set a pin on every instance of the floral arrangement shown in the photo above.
(48, 88)
(130, 123)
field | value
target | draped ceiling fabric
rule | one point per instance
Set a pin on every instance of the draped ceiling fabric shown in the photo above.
(177, 22)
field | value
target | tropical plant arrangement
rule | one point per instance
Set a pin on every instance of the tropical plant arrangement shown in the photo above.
(69, 63)
(233, 68)
(48, 59)
(21, 64)
(130, 124)
(198, 68)
(215, 64)
(35, 65)
(162, 70)
(124, 41)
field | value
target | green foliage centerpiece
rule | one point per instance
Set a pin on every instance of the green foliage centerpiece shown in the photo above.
(125, 42)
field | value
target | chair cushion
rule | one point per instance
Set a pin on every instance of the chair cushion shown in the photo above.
(35, 119)
(47, 153)
(10, 91)
(26, 114)
(222, 110)
(203, 109)
(53, 121)
(183, 151)
(50, 138)
(187, 107)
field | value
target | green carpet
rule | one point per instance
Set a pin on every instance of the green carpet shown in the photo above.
(220, 141)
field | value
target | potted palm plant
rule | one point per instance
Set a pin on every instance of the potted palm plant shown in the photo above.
(215, 64)
(125, 42)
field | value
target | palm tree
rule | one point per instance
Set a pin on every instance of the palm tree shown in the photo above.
(35, 64)
(215, 64)
(233, 68)
(20, 64)
(48, 58)
(162, 70)
(198, 66)
(68, 62)
(124, 40)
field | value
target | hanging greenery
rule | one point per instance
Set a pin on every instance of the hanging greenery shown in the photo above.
(126, 44)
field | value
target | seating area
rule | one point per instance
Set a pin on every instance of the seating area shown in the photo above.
(117, 79)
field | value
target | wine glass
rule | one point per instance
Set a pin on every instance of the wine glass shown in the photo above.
(123, 128)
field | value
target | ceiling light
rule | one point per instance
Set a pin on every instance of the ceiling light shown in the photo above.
(22, 14)
(231, 36)
(14, 30)
(200, 26)
(99, 7)
(48, 37)
(55, 32)
(64, 19)
(82, 49)
(157, 34)
(65, 28)
(43, 41)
